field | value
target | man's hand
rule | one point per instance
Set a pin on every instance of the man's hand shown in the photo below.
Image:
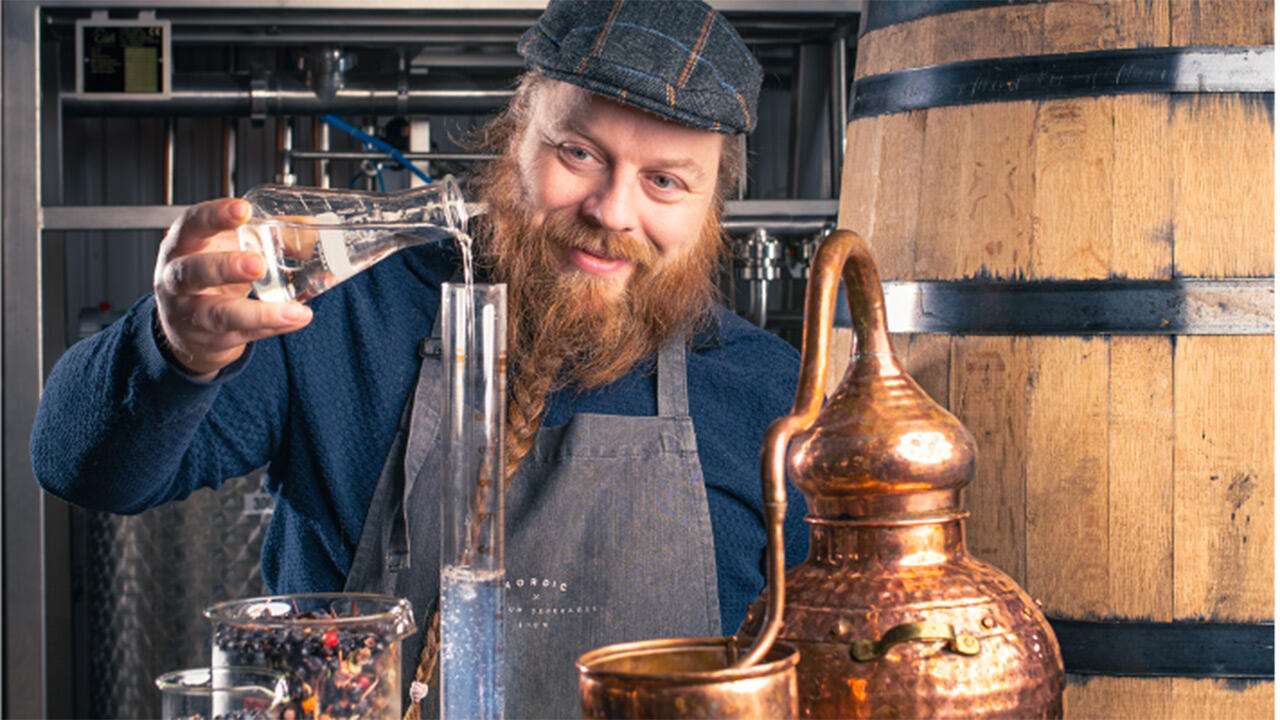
(202, 283)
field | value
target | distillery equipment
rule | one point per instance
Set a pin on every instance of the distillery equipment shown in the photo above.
(759, 265)
(891, 615)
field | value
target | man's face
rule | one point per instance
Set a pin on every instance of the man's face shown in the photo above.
(604, 223)
(588, 162)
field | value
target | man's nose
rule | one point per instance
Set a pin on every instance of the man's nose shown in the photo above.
(610, 205)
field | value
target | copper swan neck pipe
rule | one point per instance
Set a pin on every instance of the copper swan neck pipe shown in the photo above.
(842, 251)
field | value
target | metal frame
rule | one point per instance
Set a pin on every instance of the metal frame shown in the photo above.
(1068, 75)
(24, 602)
(740, 215)
(799, 6)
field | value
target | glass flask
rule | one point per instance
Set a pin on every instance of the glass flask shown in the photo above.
(474, 321)
(314, 238)
(340, 652)
(226, 693)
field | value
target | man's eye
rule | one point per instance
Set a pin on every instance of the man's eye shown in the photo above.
(664, 182)
(576, 153)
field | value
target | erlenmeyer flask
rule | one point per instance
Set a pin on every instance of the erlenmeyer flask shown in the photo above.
(314, 238)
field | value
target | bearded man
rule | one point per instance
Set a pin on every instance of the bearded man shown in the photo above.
(637, 404)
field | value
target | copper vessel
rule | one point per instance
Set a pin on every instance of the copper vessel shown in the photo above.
(891, 615)
(687, 678)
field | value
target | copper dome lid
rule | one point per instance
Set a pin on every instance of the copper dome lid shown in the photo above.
(880, 445)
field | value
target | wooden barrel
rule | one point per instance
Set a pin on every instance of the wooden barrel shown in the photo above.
(1071, 204)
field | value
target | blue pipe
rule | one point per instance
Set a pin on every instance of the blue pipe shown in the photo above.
(382, 145)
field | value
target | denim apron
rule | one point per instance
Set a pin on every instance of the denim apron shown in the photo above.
(608, 537)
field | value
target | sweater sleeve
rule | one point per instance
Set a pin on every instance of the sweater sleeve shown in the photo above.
(121, 429)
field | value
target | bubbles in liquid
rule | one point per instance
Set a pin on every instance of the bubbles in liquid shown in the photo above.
(471, 652)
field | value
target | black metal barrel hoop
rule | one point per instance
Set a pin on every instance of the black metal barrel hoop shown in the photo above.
(1071, 205)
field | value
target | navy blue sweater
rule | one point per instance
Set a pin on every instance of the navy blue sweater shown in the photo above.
(120, 429)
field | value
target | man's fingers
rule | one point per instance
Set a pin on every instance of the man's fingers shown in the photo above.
(236, 321)
(204, 220)
(190, 274)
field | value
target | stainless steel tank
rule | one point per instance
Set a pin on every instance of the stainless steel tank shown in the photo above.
(141, 581)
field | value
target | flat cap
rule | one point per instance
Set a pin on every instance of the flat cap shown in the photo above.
(677, 58)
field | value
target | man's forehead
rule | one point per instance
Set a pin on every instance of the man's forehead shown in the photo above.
(566, 108)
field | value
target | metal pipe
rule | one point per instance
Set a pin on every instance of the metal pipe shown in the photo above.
(284, 149)
(760, 262)
(839, 103)
(321, 134)
(229, 158)
(207, 95)
(305, 37)
(799, 86)
(170, 141)
(779, 217)
(777, 226)
(363, 155)
(759, 302)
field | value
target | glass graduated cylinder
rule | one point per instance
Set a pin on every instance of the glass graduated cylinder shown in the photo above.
(472, 496)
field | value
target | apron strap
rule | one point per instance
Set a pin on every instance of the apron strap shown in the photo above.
(397, 558)
(429, 349)
(673, 392)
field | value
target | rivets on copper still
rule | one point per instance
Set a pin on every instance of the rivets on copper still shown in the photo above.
(841, 630)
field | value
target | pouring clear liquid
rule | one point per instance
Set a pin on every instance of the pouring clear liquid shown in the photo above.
(311, 239)
(305, 259)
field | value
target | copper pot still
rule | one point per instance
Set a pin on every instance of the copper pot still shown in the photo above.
(891, 615)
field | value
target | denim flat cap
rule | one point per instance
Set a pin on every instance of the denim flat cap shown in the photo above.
(677, 58)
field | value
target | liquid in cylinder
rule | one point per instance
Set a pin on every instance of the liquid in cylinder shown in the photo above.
(471, 642)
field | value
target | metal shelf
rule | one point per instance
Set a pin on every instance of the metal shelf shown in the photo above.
(726, 6)
(739, 215)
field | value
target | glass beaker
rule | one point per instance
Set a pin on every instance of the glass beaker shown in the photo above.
(340, 652)
(225, 693)
(472, 573)
(314, 238)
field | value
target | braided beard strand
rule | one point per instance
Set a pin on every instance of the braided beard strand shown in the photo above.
(570, 328)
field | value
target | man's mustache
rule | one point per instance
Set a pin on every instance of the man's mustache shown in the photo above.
(575, 234)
